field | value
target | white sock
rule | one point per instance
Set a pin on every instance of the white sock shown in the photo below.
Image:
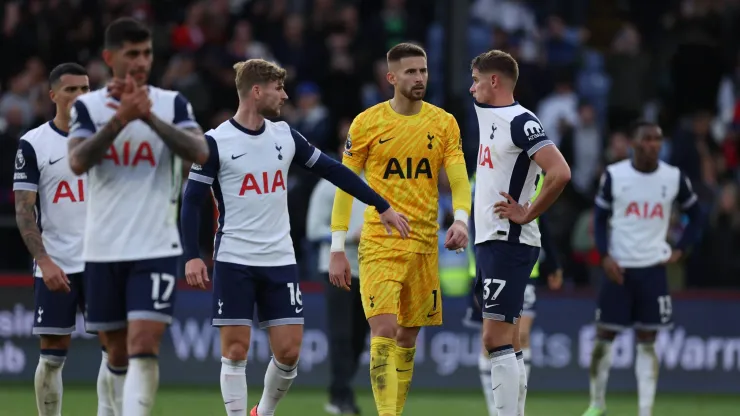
(484, 365)
(278, 379)
(522, 383)
(105, 405)
(601, 362)
(646, 370)
(527, 354)
(48, 382)
(141, 385)
(505, 380)
(234, 386)
(115, 378)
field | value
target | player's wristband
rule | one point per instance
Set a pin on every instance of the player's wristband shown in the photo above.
(337, 241)
(461, 215)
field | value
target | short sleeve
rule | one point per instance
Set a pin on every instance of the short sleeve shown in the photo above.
(207, 172)
(604, 194)
(686, 196)
(527, 134)
(81, 124)
(357, 146)
(453, 146)
(184, 117)
(26, 174)
(306, 154)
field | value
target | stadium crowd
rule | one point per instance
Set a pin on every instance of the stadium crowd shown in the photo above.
(588, 68)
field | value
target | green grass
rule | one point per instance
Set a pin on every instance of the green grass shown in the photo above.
(18, 400)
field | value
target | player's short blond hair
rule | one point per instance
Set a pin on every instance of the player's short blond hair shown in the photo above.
(256, 71)
(497, 61)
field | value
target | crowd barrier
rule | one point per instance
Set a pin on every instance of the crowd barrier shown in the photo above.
(703, 346)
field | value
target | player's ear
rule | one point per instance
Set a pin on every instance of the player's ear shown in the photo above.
(108, 57)
(52, 95)
(391, 78)
(494, 80)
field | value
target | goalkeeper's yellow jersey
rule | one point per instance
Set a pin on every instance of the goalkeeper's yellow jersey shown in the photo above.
(402, 157)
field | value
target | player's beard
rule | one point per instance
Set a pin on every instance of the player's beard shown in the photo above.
(415, 93)
(270, 112)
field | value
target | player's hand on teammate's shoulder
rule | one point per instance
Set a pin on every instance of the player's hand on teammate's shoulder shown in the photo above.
(54, 277)
(555, 279)
(676, 255)
(134, 102)
(340, 272)
(613, 271)
(196, 273)
(512, 210)
(392, 219)
(457, 236)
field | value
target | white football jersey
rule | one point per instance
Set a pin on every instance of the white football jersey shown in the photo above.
(509, 137)
(134, 190)
(41, 166)
(248, 177)
(640, 205)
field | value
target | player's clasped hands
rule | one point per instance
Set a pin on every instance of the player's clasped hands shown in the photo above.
(134, 102)
(196, 273)
(511, 210)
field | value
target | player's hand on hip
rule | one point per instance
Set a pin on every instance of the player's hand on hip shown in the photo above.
(54, 277)
(512, 210)
(340, 272)
(555, 280)
(392, 219)
(457, 236)
(196, 273)
(613, 271)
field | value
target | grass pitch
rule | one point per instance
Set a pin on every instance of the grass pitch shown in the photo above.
(80, 400)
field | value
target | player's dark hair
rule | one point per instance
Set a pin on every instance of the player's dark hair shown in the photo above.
(125, 29)
(497, 61)
(68, 68)
(635, 126)
(405, 50)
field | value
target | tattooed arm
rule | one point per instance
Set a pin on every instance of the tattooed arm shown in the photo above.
(85, 152)
(188, 143)
(87, 145)
(182, 135)
(25, 217)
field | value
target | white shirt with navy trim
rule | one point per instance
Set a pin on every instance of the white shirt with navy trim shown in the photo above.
(41, 166)
(641, 205)
(135, 189)
(248, 174)
(509, 138)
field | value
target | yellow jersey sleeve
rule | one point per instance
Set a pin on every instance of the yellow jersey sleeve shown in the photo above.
(341, 211)
(354, 157)
(357, 147)
(453, 145)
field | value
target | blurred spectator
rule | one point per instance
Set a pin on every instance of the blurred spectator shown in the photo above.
(16, 102)
(310, 117)
(629, 70)
(379, 89)
(559, 110)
